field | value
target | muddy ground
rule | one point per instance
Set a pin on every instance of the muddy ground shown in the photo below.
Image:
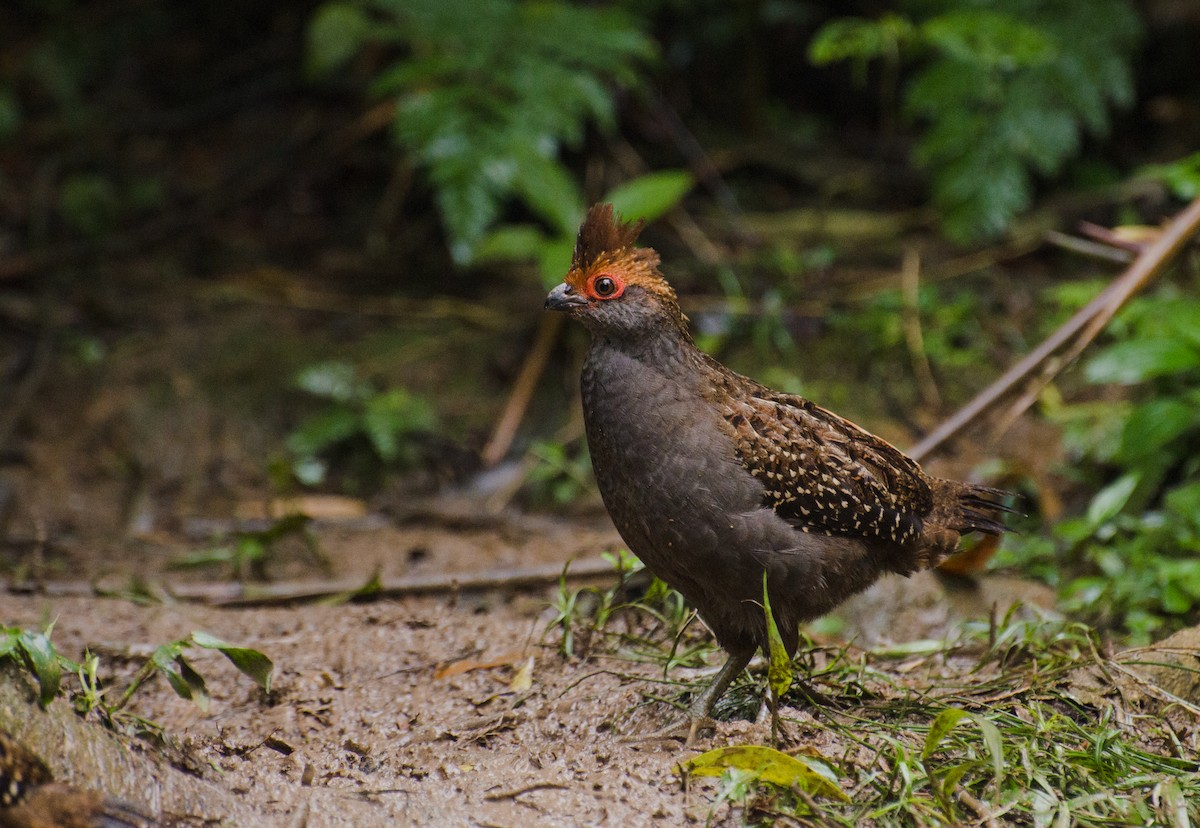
(140, 443)
(404, 712)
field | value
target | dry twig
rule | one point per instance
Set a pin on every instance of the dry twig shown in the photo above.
(549, 328)
(1077, 332)
(237, 594)
(913, 335)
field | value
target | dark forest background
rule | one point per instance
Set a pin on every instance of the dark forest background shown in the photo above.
(284, 247)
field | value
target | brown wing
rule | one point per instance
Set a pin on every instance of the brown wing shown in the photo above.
(825, 474)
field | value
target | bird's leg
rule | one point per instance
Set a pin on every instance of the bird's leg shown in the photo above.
(700, 710)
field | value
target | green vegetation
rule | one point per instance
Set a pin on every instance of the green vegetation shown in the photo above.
(583, 616)
(227, 161)
(1005, 91)
(646, 197)
(35, 654)
(362, 427)
(560, 473)
(1130, 561)
(488, 94)
(1002, 722)
(248, 552)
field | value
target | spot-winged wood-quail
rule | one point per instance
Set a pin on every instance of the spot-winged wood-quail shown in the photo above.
(713, 479)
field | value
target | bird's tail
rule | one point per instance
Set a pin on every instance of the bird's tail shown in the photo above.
(981, 509)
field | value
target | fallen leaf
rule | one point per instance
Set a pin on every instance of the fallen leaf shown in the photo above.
(522, 680)
(318, 507)
(769, 765)
(466, 665)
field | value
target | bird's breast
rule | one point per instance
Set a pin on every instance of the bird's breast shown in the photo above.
(665, 467)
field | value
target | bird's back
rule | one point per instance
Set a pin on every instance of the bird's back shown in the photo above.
(680, 496)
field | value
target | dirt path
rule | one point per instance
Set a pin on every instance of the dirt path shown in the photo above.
(412, 712)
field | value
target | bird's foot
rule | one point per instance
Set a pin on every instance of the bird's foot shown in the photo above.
(699, 714)
(688, 730)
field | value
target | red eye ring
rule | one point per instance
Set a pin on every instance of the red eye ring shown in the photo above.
(605, 286)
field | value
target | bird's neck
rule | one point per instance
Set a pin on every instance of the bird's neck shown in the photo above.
(668, 347)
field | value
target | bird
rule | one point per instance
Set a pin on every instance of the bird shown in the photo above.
(715, 481)
(30, 798)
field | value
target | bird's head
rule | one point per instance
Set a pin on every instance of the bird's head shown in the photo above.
(613, 286)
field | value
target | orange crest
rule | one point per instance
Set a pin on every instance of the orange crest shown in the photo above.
(606, 258)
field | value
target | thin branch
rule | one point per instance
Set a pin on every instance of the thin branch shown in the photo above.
(237, 594)
(549, 328)
(513, 793)
(910, 281)
(1087, 247)
(1078, 331)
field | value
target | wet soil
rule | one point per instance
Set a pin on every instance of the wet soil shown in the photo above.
(450, 707)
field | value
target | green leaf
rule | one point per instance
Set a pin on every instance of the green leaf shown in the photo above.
(1138, 360)
(554, 259)
(494, 91)
(945, 721)
(858, 39)
(1185, 501)
(511, 243)
(1154, 424)
(995, 745)
(335, 34)
(165, 660)
(9, 641)
(371, 588)
(988, 37)
(951, 778)
(1182, 176)
(1175, 599)
(323, 431)
(942, 724)
(164, 655)
(1008, 93)
(44, 662)
(1177, 317)
(650, 196)
(1110, 500)
(187, 677)
(770, 766)
(780, 672)
(250, 662)
(390, 415)
(178, 683)
(336, 381)
(546, 186)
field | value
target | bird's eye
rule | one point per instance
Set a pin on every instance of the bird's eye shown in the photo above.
(605, 286)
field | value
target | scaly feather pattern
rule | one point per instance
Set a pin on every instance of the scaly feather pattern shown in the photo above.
(823, 473)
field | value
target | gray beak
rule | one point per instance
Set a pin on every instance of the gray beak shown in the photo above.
(563, 298)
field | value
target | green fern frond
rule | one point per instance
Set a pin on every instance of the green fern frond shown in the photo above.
(1006, 91)
(489, 93)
